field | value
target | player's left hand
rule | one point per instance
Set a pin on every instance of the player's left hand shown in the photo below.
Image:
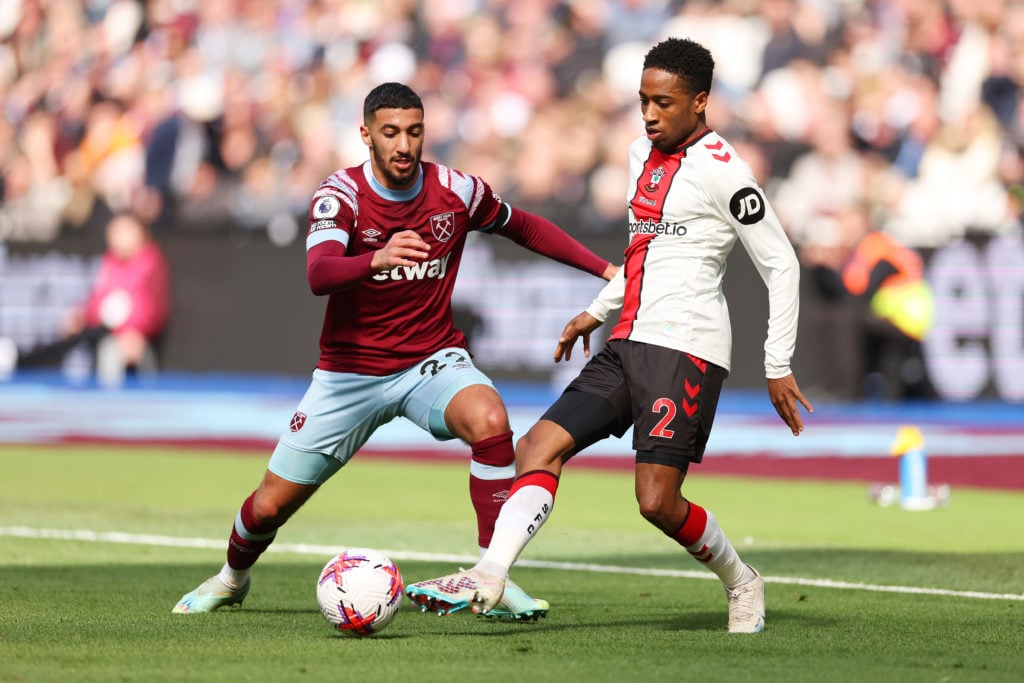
(784, 394)
(610, 270)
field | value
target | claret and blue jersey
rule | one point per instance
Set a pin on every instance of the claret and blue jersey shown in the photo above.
(382, 323)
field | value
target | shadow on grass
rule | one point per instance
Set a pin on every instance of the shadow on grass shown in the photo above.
(285, 594)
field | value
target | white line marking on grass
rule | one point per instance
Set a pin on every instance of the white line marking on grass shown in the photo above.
(327, 550)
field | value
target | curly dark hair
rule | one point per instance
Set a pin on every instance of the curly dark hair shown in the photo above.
(390, 96)
(682, 57)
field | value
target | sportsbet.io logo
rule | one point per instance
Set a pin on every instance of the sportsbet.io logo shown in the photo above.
(747, 206)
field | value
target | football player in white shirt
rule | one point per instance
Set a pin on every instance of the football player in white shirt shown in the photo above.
(661, 371)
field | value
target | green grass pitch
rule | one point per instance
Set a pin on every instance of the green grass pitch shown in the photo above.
(98, 608)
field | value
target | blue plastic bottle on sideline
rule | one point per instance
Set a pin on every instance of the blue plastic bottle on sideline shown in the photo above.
(913, 478)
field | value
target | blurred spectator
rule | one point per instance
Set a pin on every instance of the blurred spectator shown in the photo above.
(34, 193)
(829, 176)
(890, 278)
(580, 42)
(125, 315)
(878, 309)
(957, 188)
(797, 31)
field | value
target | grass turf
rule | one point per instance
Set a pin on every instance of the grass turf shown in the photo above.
(101, 611)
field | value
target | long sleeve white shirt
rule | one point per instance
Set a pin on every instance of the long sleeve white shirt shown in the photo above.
(686, 210)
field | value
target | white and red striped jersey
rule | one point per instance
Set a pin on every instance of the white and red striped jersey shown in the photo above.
(686, 210)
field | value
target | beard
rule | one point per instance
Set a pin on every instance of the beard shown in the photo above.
(402, 181)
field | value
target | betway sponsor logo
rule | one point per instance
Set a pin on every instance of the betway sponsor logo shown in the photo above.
(434, 268)
(649, 227)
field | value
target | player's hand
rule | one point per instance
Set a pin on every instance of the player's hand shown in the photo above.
(405, 248)
(580, 326)
(784, 394)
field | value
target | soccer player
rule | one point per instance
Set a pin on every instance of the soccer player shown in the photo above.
(690, 198)
(385, 240)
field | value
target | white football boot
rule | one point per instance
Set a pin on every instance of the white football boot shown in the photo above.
(212, 594)
(465, 588)
(746, 605)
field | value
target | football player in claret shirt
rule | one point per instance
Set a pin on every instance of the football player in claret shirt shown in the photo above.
(384, 244)
(690, 198)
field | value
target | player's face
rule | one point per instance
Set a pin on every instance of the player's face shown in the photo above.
(395, 139)
(671, 114)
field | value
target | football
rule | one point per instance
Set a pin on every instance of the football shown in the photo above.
(359, 591)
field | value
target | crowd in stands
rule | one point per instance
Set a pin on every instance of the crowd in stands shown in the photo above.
(194, 113)
(900, 116)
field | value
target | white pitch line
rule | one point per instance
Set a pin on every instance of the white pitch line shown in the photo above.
(327, 550)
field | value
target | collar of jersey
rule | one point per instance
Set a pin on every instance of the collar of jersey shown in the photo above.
(393, 195)
(691, 141)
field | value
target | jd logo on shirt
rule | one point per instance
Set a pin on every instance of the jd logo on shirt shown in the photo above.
(747, 206)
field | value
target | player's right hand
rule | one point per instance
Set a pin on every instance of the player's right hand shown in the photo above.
(405, 248)
(580, 326)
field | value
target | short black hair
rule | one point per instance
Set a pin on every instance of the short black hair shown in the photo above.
(687, 59)
(390, 96)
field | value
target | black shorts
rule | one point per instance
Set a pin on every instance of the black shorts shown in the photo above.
(667, 396)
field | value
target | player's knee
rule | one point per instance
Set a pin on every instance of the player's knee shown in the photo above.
(493, 420)
(478, 421)
(656, 507)
(270, 511)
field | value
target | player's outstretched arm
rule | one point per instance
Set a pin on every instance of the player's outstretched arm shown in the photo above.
(580, 326)
(543, 237)
(784, 394)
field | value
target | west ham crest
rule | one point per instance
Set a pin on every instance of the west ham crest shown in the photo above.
(443, 226)
(298, 419)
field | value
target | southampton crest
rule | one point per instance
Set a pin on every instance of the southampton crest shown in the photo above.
(656, 175)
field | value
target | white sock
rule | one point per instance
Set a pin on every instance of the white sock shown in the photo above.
(491, 568)
(233, 578)
(714, 550)
(520, 518)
